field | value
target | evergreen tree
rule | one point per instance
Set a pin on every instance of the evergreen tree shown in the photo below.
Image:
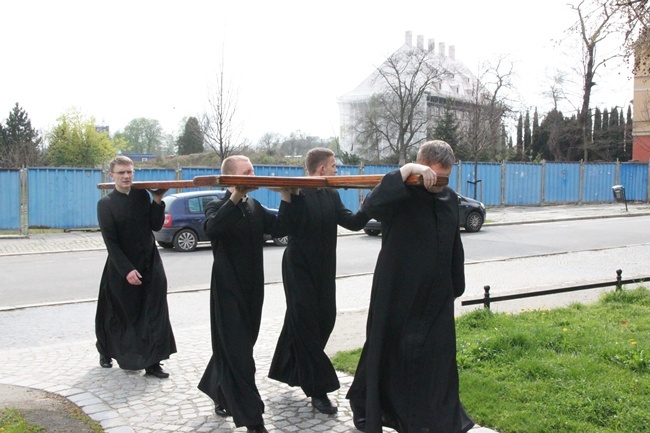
(536, 142)
(19, 142)
(601, 149)
(613, 117)
(527, 137)
(627, 135)
(520, 140)
(616, 133)
(571, 141)
(562, 137)
(191, 141)
(446, 129)
(598, 120)
(605, 120)
(599, 129)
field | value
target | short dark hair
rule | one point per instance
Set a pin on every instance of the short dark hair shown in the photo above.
(436, 152)
(315, 158)
(120, 160)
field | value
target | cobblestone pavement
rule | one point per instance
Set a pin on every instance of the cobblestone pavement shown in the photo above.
(52, 356)
(51, 348)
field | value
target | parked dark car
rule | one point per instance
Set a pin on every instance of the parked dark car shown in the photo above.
(184, 216)
(471, 216)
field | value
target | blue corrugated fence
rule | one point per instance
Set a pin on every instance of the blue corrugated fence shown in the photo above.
(67, 198)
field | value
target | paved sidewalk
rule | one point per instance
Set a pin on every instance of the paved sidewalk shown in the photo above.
(51, 348)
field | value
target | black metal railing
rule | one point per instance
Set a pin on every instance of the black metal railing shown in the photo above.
(487, 300)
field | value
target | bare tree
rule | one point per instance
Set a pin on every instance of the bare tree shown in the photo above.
(597, 20)
(483, 129)
(556, 89)
(219, 124)
(394, 120)
(636, 15)
(270, 143)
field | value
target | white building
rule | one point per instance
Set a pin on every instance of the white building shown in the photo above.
(456, 89)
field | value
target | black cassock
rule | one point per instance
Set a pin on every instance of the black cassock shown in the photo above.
(407, 372)
(132, 322)
(236, 298)
(308, 273)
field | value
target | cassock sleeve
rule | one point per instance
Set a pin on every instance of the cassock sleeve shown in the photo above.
(381, 201)
(287, 215)
(458, 266)
(108, 229)
(296, 213)
(345, 218)
(157, 215)
(221, 215)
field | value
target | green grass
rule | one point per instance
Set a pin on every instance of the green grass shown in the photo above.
(11, 421)
(583, 368)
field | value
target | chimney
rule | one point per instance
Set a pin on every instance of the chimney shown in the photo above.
(441, 49)
(432, 46)
(408, 38)
(452, 52)
(421, 42)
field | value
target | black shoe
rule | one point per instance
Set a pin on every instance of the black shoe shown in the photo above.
(359, 423)
(156, 370)
(221, 411)
(105, 361)
(323, 405)
(256, 429)
(358, 417)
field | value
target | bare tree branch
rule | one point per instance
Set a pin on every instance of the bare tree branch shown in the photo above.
(597, 20)
(395, 118)
(219, 127)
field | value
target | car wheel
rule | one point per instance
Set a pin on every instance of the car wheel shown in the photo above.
(372, 232)
(185, 241)
(166, 244)
(283, 241)
(474, 222)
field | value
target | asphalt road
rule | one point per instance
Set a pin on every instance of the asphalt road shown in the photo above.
(53, 278)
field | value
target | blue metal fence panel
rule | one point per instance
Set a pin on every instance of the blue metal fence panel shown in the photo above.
(67, 198)
(453, 178)
(189, 173)
(598, 180)
(155, 174)
(352, 197)
(378, 169)
(279, 170)
(523, 184)
(562, 182)
(486, 178)
(372, 169)
(634, 177)
(264, 195)
(63, 198)
(9, 199)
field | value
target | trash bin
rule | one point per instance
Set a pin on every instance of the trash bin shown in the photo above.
(619, 193)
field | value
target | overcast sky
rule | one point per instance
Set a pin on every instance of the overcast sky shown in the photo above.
(289, 61)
